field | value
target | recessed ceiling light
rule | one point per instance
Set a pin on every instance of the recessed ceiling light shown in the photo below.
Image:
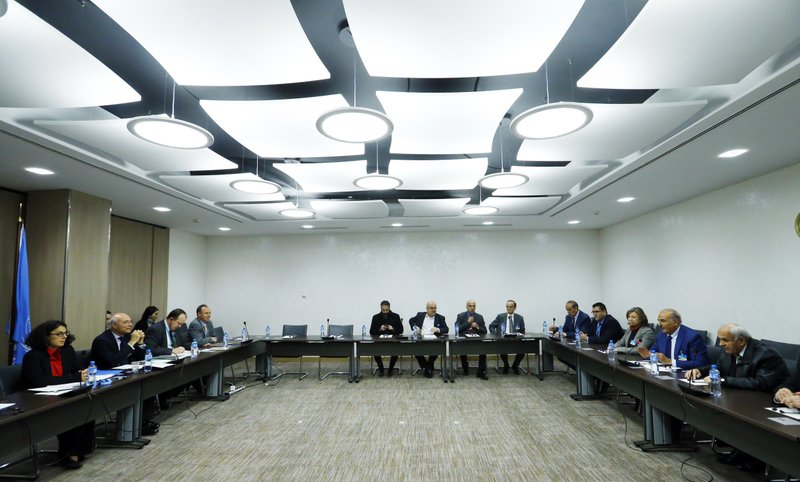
(397, 225)
(256, 187)
(223, 228)
(500, 180)
(480, 210)
(355, 125)
(732, 153)
(168, 132)
(162, 209)
(297, 213)
(307, 226)
(39, 170)
(551, 120)
(487, 223)
(625, 199)
(378, 182)
(574, 221)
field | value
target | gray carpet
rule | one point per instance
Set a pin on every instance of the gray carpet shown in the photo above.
(401, 428)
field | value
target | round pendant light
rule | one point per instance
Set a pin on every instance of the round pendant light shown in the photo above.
(169, 132)
(297, 213)
(256, 187)
(355, 125)
(378, 182)
(501, 180)
(480, 210)
(551, 120)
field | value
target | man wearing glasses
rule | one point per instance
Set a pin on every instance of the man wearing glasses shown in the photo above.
(603, 328)
(119, 345)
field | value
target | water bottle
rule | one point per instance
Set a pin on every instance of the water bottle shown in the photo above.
(577, 339)
(225, 339)
(544, 327)
(612, 353)
(653, 362)
(148, 361)
(92, 378)
(245, 334)
(195, 350)
(456, 330)
(321, 330)
(363, 331)
(716, 382)
(560, 332)
(267, 331)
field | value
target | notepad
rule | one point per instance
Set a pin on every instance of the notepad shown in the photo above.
(786, 412)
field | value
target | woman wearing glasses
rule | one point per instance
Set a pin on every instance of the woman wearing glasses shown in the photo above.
(52, 361)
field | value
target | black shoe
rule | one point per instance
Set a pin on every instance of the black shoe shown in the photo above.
(505, 370)
(71, 464)
(380, 371)
(465, 371)
(428, 373)
(751, 465)
(516, 370)
(390, 372)
(152, 423)
(483, 376)
(149, 430)
(729, 459)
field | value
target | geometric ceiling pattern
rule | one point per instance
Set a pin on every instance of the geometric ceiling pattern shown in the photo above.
(217, 188)
(443, 174)
(544, 181)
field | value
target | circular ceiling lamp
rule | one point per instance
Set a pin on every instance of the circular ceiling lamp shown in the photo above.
(378, 182)
(3, 7)
(551, 120)
(297, 213)
(256, 187)
(170, 132)
(480, 210)
(500, 180)
(355, 125)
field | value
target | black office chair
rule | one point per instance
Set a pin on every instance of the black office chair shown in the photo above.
(790, 353)
(336, 330)
(294, 330)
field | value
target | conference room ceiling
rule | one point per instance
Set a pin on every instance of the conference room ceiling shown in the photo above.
(668, 84)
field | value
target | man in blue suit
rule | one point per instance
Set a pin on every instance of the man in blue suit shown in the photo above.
(575, 319)
(678, 345)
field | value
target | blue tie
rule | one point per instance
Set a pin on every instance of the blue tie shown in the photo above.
(599, 327)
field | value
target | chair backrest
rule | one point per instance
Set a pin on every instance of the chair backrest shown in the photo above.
(10, 379)
(703, 334)
(343, 330)
(788, 351)
(714, 353)
(83, 358)
(296, 330)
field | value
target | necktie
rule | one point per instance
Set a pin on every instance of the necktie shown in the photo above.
(119, 343)
(669, 346)
(172, 339)
(599, 327)
(508, 325)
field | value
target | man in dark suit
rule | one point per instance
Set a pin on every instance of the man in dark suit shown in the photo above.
(746, 363)
(386, 322)
(472, 323)
(576, 320)
(119, 345)
(169, 336)
(201, 328)
(505, 323)
(603, 327)
(677, 344)
(428, 322)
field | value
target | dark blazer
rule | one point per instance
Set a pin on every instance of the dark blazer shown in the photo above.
(438, 322)
(391, 318)
(142, 325)
(36, 368)
(197, 333)
(610, 331)
(156, 338)
(690, 343)
(583, 322)
(761, 368)
(464, 325)
(107, 355)
(793, 383)
(499, 323)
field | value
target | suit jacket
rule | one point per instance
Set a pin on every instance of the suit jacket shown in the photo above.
(499, 323)
(465, 327)
(36, 370)
(690, 344)
(645, 336)
(610, 331)
(392, 319)
(197, 333)
(582, 320)
(143, 325)
(438, 322)
(156, 338)
(760, 368)
(107, 354)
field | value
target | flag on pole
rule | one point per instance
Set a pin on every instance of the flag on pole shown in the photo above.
(22, 320)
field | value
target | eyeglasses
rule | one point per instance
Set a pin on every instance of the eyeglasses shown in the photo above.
(63, 334)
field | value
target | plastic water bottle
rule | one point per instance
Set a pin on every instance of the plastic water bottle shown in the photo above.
(321, 330)
(363, 331)
(245, 334)
(225, 339)
(148, 361)
(612, 353)
(195, 349)
(577, 339)
(92, 378)
(653, 362)
(267, 331)
(544, 327)
(561, 332)
(456, 329)
(716, 381)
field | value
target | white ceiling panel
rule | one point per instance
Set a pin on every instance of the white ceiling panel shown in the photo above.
(422, 208)
(438, 175)
(326, 176)
(445, 123)
(336, 209)
(615, 131)
(457, 38)
(543, 181)
(522, 206)
(674, 43)
(204, 42)
(217, 188)
(111, 139)
(281, 128)
(262, 211)
(43, 68)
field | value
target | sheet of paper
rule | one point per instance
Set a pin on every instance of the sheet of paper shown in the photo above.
(64, 387)
(699, 383)
(785, 421)
(5, 405)
(162, 363)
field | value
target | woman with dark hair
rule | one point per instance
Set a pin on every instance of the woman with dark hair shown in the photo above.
(149, 317)
(638, 333)
(52, 361)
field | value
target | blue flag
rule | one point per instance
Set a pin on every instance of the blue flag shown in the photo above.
(22, 321)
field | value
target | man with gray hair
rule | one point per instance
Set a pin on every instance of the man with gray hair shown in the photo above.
(677, 344)
(745, 363)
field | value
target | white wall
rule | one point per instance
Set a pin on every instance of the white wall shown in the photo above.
(308, 278)
(187, 272)
(728, 256)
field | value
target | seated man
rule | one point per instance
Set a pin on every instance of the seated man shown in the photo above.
(505, 323)
(201, 328)
(603, 328)
(677, 345)
(471, 322)
(428, 322)
(789, 392)
(386, 322)
(575, 321)
(166, 337)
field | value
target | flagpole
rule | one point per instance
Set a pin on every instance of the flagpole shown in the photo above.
(12, 322)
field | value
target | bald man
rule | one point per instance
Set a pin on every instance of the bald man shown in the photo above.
(428, 322)
(119, 345)
(472, 323)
